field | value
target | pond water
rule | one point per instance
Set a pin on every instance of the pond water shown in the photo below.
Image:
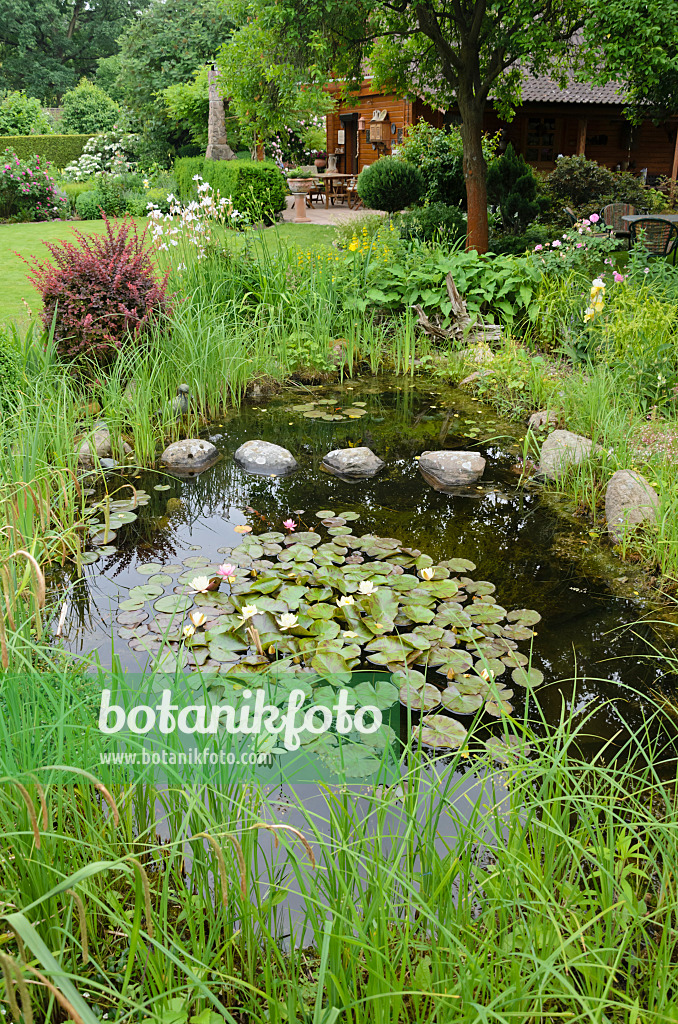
(515, 536)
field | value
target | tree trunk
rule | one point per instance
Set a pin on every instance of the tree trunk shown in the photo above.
(475, 175)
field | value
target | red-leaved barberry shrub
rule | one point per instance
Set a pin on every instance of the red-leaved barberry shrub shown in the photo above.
(104, 290)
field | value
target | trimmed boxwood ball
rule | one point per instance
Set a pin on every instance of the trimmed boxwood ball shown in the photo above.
(390, 185)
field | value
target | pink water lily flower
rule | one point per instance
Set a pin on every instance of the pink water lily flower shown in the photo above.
(226, 571)
(290, 525)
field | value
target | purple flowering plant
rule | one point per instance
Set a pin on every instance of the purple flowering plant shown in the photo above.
(28, 190)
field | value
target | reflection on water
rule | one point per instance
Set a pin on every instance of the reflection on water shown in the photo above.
(514, 536)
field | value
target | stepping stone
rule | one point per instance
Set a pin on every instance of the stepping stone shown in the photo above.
(186, 458)
(353, 463)
(265, 459)
(448, 469)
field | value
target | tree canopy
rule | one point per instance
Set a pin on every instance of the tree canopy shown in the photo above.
(47, 46)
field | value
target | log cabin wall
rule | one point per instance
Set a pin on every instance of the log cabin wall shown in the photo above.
(541, 132)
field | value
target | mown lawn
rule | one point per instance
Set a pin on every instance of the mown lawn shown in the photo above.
(26, 240)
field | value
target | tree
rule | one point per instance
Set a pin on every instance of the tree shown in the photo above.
(449, 52)
(166, 45)
(271, 86)
(47, 46)
(88, 109)
(23, 115)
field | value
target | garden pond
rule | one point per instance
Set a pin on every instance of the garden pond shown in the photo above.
(504, 549)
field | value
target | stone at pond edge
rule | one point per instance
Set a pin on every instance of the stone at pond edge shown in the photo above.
(189, 457)
(265, 459)
(353, 463)
(542, 420)
(563, 448)
(629, 500)
(446, 469)
(98, 446)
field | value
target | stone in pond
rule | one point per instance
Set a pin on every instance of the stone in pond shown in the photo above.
(98, 446)
(265, 458)
(188, 457)
(542, 420)
(629, 500)
(563, 449)
(353, 463)
(451, 469)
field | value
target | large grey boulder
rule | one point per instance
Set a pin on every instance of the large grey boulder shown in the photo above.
(98, 446)
(563, 449)
(265, 459)
(353, 463)
(186, 458)
(629, 500)
(447, 469)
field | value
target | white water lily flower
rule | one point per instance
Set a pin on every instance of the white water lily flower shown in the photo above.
(343, 602)
(248, 610)
(197, 618)
(428, 574)
(200, 584)
(189, 631)
(349, 634)
(288, 620)
(487, 676)
(366, 587)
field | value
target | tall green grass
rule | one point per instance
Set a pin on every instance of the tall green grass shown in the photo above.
(542, 889)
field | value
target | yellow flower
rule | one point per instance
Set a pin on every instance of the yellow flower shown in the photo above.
(355, 244)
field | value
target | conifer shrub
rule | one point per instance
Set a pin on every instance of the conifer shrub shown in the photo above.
(512, 186)
(390, 185)
(104, 290)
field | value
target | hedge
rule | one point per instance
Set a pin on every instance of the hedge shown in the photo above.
(257, 188)
(59, 149)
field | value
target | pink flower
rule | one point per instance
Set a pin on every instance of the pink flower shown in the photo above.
(290, 525)
(618, 278)
(226, 571)
(594, 218)
(586, 222)
(555, 243)
(538, 247)
(579, 245)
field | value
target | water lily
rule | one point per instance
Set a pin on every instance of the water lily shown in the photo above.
(200, 584)
(487, 676)
(290, 525)
(188, 631)
(226, 571)
(288, 620)
(197, 618)
(349, 634)
(428, 573)
(366, 587)
(242, 529)
(344, 601)
(247, 611)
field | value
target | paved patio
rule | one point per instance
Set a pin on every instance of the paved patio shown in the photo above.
(317, 214)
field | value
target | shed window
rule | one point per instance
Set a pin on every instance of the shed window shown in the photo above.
(540, 144)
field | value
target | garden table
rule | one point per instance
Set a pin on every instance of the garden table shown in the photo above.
(631, 217)
(328, 178)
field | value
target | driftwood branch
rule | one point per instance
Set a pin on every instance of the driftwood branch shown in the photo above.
(463, 327)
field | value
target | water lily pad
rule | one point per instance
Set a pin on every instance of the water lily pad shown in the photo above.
(132, 618)
(325, 514)
(161, 487)
(381, 695)
(420, 698)
(438, 731)
(455, 663)
(514, 659)
(174, 603)
(307, 537)
(123, 517)
(88, 557)
(349, 517)
(418, 612)
(106, 549)
(103, 538)
(160, 579)
(497, 708)
(149, 568)
(314, 414)
(459, 565)
(196, 561)
(131, 604)
(524, 617)
(461, 703)
(146, 592)
(169, 661)
(516, 632)
(527, 677)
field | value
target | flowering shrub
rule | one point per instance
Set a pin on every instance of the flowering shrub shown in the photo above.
(193, 224)
(580, 248)
(27, 190)
(111, 152)
(103, 290)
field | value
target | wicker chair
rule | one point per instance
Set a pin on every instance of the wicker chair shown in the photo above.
(612, 218)
(660, 237)
(571, 216)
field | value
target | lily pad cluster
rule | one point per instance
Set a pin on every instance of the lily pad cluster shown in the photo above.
(104, 519)
(315, 605)
(331, 410)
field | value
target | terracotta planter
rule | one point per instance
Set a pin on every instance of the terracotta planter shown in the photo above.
(299, 188)
(320, 163)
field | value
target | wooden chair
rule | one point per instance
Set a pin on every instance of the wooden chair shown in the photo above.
(354, 200)
(316, 193)
(571, 216)
(612, 218)
(660, 237)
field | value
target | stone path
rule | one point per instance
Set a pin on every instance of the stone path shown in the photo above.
(317, 214)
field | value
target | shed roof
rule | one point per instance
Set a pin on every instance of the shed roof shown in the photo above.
(542, 89)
